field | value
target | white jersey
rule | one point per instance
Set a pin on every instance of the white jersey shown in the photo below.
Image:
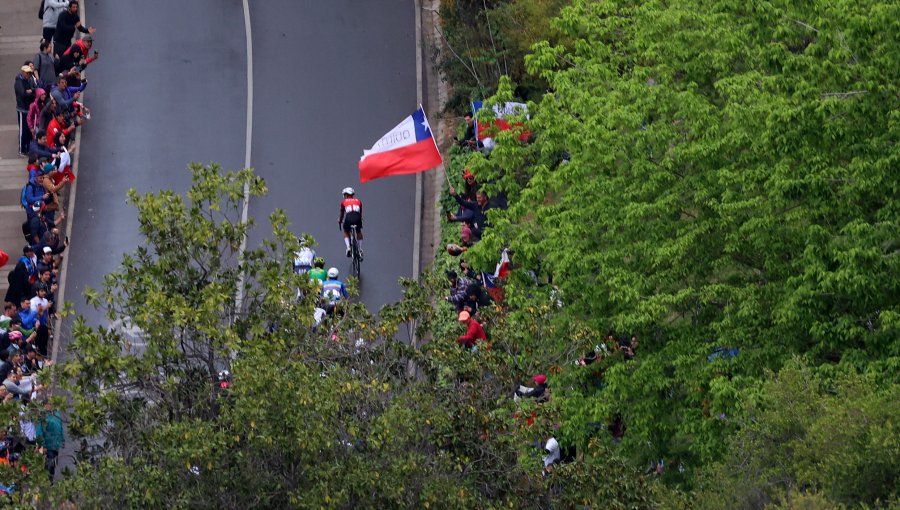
(304, 258)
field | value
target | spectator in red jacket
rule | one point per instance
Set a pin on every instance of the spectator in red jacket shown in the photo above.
(474, 331)
(56, 126)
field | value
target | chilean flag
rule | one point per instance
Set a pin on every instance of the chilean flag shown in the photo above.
(500, 112)
(406, 149)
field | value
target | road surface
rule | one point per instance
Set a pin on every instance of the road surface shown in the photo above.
(170, 88)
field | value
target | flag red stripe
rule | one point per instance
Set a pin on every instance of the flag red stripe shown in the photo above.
(410, 159)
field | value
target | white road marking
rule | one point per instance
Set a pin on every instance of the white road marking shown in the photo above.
(239, 298)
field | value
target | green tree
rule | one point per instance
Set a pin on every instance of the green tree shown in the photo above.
(316, 417)
(701, 176)
(835, 439)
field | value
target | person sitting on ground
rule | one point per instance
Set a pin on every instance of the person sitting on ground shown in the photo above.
(540, 381)
(458, 288)
(474, 330)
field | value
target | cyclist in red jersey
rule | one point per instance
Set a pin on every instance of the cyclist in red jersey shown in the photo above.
(351, 214)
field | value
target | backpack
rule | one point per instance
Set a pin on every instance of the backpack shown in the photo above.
(41, 10)
(24, 198)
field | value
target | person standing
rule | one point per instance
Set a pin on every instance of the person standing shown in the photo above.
(45, 65)
(52, 437)
(69, 21)
(52, 10)
(25, 88)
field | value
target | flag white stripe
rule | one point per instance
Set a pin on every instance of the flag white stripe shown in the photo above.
(401, 136)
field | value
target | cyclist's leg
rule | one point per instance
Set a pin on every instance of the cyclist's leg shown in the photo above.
(347, 236)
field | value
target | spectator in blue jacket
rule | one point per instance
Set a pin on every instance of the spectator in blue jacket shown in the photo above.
(66, 95)
(40, 148)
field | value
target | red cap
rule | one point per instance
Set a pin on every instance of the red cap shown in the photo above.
(467, 174)
(540, 378)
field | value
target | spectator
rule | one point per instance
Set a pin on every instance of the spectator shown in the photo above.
(476, 297)
(474, 331)
(466, 234)
(5, 365)
(52, 10)
(64, 95)
(39, 147)
(457, 289)
(46, 262)
(9, 311)
(51, 240)
(51, 435)
(66, 24)
(26, 89)
(466, 270)
(538, 391)
(551, 457)
(469, 138)
(474, 212)
(28, 317)
(45, 65)
(470, 186)
(77, 57)
(58, 125)
(628, 346)
(33, 118)
(20, 278)
(20, 386)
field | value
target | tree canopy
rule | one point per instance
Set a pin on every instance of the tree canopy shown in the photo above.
(716, 180)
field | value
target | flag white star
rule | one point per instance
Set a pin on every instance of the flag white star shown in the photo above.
(425, 125)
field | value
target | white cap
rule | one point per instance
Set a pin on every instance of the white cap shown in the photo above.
(48, 249)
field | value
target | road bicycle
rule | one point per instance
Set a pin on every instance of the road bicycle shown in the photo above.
(355, 255)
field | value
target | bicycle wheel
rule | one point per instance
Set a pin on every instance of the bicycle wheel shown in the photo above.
(354, 247)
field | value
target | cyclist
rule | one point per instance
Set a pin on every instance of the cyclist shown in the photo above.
(303, 258)
(318, 271)
(333, 290)
(351, 214)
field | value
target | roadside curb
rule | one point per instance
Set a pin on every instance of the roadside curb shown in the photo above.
(70, 220)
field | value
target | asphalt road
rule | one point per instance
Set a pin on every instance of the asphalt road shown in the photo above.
(330, 77)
